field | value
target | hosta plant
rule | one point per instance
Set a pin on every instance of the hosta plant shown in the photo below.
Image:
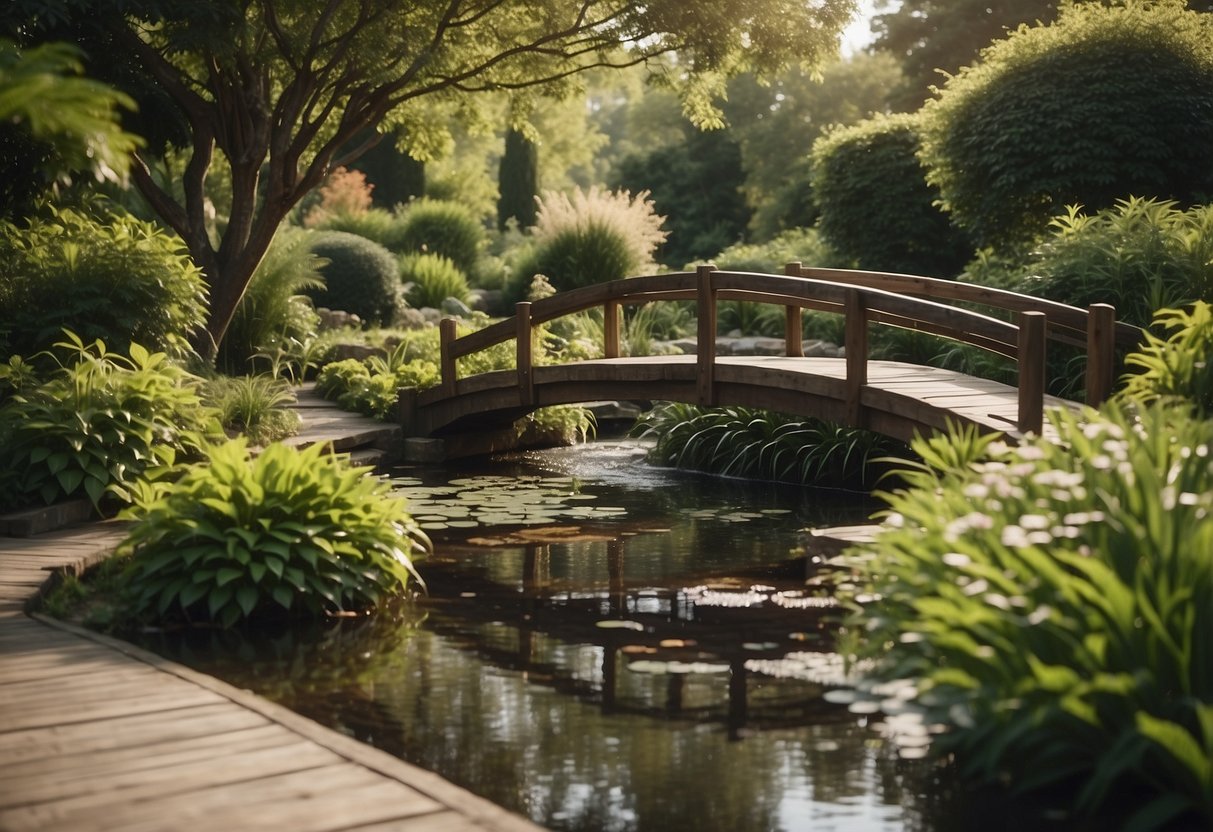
(1051, 606)
(301, 531)
(95, 423)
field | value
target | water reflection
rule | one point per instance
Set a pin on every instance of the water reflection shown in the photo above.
(659, 669)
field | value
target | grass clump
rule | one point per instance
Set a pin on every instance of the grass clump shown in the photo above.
(255, 406)
(1052, 605)
(433, 279)
(286, 532)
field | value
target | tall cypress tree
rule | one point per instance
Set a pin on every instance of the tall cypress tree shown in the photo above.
(518, 181)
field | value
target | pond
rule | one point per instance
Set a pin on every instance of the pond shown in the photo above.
(604, 646)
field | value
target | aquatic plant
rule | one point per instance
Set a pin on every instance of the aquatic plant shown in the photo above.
(743, 442)
(1052, 605)
(300, 530)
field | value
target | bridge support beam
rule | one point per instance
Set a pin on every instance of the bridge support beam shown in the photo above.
(524, 342)
(1032, 326)
(856, 339)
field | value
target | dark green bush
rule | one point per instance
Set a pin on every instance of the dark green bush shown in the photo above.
(360, 277)
(1104, 103)
(1178, 368)
(743, 442)
(876, 208)
(234, 537)
(95, 424)
(434, 278)
(431, 226)
(377, 225)
(1052, 605)
(105, 276)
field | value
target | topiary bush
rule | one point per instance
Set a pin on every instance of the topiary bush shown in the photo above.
(1178, 368)
(101, 273)
(587, 238)
(875, 206)
(360, 277)
(1103, 103)
(434, 278)
(1052, 606)
(95, 424)
(302, 531)
(432, 226)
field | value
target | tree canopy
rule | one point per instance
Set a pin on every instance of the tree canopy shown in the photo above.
(274, 90)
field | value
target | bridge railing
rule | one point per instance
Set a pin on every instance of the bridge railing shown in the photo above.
(861, 297)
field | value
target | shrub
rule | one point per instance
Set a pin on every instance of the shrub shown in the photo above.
(432, 226)
(435, 278)
(742, 442)
(344, 192)
(235, 537)
(589, 238)
(377, 225)
(876, 208)
(1179, 367)
(796, 244)
(361, 277)
(256, 406)
(96, 424)
(1139, 256)
(1103, 103)
(1051, 604)
(108, 277)
(274, 314)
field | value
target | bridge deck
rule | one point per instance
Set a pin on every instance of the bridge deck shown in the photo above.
(898, 400)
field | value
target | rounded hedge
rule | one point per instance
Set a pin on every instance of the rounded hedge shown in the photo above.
(1102, 104)
(361, 277)
(876, 208)
(432, 226)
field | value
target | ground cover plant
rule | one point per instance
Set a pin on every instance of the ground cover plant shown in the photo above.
(1052, 605)
(256, 406)
(757, 444)
(299, 532)
(95, 423)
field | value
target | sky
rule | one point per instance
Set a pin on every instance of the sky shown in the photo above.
(858, 35)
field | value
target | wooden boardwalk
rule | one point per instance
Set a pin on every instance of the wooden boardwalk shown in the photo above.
(98, 735)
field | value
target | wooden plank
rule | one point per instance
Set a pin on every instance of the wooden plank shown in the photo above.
(447, 821)
(706, 334)
(1031, 371)
(55, 711)
(447, 368)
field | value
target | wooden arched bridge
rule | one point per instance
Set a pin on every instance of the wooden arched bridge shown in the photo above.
(894, 398)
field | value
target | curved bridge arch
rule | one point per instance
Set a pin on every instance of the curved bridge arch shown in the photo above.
(895, 398)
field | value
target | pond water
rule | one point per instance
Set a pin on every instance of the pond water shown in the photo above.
(605, 646)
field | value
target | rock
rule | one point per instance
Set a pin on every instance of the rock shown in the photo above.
(361, 352)
(614, 411)
(411, 319)
(684, 346)
(336, 319)
(489, 301)
(431, 315)
(819, 349)
(759, 346)
(456, 307)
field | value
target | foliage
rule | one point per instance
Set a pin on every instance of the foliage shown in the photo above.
(1104, 103)
(518, 181)
(1051, 604)
(696, 185)
(434, 278)
(1176, 368)
(256, 406)
(590, 237)
(273, 312)
(235, 537)
(566, 424)
(41, 92)
(876, 208)
(96, 424)
(377, 225)
(104, 275)
(802, 245)
(344, 193)
(742, 442)
(1139, 256)
(360, 277)
(433, 226)
(371, 387)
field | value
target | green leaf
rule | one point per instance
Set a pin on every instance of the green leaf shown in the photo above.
(283, 595)
(226, 575)
(247, 597)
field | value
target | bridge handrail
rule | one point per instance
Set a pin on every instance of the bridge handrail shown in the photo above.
(848, 293)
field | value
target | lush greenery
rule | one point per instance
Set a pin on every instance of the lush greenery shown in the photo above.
(101, 273)
(95, 424)
(1104, 103)
(433, 279)
(256, 406)
(360, 277)
(1177, 369)
(876, 209)
(433, 226)
(517, 181)
(758, 444)
(236, 537)
(1053, 605)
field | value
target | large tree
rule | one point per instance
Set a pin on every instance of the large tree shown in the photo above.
(274, 90)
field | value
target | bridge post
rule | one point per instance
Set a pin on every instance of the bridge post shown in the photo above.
(793, 334)
(610, 329)
(446, 336)
(523, 342)
(705, 338)
(1032, 326)
(856, 338)
(1101, 352)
